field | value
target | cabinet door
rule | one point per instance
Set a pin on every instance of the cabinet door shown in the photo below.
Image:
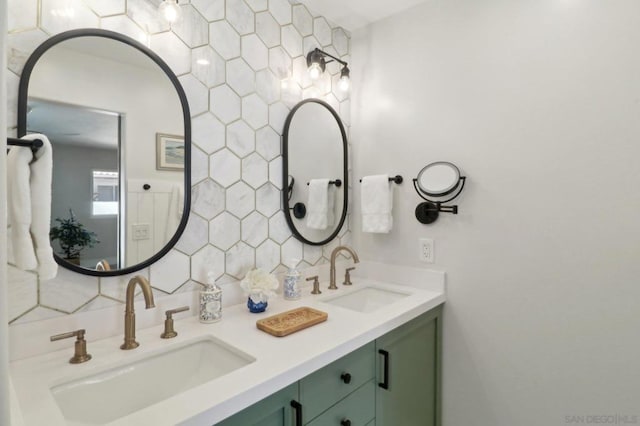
(408, 368)
(274, 410)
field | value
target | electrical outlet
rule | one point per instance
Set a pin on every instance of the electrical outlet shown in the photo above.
(426, 250)
(141, 231)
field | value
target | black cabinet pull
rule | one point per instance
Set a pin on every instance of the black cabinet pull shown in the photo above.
(385, 379)
(345, 422)
(346, 378)
(298, 408)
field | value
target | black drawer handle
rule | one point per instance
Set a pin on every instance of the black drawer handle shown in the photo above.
(298, 408)
(345, 422)
(346, 378)
(385, 379)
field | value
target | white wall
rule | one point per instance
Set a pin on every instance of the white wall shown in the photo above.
(538, 103)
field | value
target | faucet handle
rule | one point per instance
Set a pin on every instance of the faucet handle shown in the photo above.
(169, 331)
(347, 276)
(80, 354)
(316, 284)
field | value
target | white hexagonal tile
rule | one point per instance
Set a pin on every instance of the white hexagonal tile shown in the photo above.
(254, 170)
(208, 66)
(208, 260)
(268, 143)
(240, 199)
(340, 41)
(258, 5)
(64, 15)
(268, 29)
(22, 291)
(346, 239)
(22, 14)
(240, 259)
(278, 228)
(240, 16)
(268, 199)
(197, 94)
(255, 228)
(116, 287)
(323, 84)
(208, 132)
(224, 103)
(199, 165)
(20, 46)
(309, 43)
(291, 249)
(301, 73)
(68, 291)
(224, 39)
(291, 95)
(311, 92)
(145, 14)
(267, 86)
(279, 62)
(224, 231)
(122, 24)
(240, 76)
(268, 256)
(225, 167)
(40, 314)
(212, 10)
(311, 254)
(302, 20)
(322, 31)
(194, 236)
(291, 41)
(255, 111)
(345, 111)
(170, 272)
(332, 101)
(275, 172)
(255, 52)
(193, 29)
(107, 7)
(173, 51)
(240, 138)
(281, 10)
(277, 115)
(207, 199)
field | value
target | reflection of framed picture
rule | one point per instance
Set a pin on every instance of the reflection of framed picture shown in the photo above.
(169, 152)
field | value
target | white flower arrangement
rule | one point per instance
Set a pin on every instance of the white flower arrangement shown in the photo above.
(259, 285)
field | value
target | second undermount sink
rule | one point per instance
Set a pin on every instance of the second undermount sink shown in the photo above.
(367, 299)
(122, 390)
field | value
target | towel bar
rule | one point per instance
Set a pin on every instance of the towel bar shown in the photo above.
(34, 144)
(397, 179)
(337, 183)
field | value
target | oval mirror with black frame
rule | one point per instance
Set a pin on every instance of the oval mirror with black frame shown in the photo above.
(119, 124)
(314, 147)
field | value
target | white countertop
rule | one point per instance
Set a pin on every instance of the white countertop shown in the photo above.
(279, 361)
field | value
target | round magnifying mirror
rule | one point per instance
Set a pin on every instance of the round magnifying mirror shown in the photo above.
(438, 179)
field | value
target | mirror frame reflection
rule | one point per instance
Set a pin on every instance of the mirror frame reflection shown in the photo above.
(23, 94)
(285, 173)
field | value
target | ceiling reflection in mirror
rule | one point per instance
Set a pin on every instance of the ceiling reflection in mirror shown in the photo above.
(115, 119)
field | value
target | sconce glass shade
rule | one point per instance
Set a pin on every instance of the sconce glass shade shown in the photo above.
(170, 11)
(316, 64)
(315, 71)
(344, 82)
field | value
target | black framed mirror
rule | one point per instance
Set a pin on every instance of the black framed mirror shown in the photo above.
(120, 127)
(315, 167)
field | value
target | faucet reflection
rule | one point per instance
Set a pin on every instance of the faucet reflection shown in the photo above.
(129, 313)
(332, 271)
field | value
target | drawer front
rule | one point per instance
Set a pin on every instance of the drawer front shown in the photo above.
(323, 388)
(358, 408)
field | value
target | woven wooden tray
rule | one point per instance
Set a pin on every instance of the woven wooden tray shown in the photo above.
(291, 321)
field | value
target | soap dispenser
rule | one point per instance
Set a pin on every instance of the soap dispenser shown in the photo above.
(291, 280)
(210, 301)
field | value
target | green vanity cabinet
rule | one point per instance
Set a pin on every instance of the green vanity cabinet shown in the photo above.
(408, 367)
(274, 410)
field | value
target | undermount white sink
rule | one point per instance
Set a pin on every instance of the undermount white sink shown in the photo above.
(122, 390)
(366, 299)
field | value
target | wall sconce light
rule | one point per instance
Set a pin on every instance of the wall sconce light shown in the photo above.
(317, 63)
(170, 11)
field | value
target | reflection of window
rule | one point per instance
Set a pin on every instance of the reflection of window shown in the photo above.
(105, 193)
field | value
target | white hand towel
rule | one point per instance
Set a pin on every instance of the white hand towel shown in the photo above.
(176, 207)
(29, 195)
(376, 202)
(318, 204)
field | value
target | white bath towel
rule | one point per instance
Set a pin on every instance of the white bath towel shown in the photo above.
(376, 203)
(29, 196)
(320, 204)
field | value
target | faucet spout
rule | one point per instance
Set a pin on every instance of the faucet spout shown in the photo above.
(332, 270)
(129, 312)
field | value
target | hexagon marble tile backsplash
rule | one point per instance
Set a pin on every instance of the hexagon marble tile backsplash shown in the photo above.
(257, 71)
